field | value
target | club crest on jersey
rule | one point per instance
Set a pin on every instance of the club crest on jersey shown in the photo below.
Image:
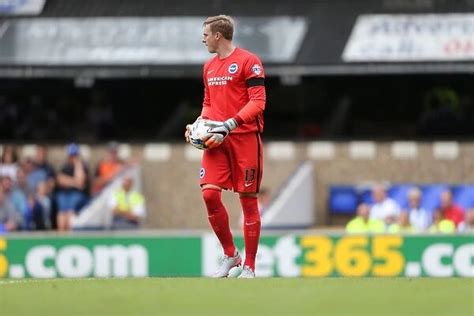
(233, 68)
(257, 69)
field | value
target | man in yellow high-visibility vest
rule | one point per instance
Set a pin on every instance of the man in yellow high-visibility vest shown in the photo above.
(127, 205)
(363, 224)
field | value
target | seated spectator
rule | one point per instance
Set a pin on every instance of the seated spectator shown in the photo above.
(9, 162)
(107, 168)
(442, 225)
(47, 193)
(10, 219)
(41, 161)
(468, 225)
(72, 190)
(420, 219)
(384, 208)
(31, 178)
(127, 205)
(449, 210)
(403, 226)
(43, 199)
(33, 218)
(15, 194)
(362, 224)
(40, 170)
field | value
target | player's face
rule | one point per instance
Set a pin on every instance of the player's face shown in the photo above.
(209, 39)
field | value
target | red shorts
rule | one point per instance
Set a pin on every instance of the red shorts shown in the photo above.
(236, 164)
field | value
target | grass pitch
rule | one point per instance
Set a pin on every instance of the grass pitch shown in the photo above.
(202, 296)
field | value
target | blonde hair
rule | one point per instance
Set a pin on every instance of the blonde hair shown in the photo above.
(223, 24)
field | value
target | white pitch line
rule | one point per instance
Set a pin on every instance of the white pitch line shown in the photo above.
(22, 281)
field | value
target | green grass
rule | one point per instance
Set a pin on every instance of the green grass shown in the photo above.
(202, 296)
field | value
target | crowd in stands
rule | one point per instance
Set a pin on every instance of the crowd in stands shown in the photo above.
(34, 195)
(385, 215)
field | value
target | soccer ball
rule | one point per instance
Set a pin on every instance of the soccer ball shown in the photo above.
(198, 130)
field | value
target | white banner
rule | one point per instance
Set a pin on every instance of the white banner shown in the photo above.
(421, 37)
(132, 41)
(19, 7)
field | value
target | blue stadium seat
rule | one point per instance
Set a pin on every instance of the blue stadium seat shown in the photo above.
(463, 196)
(399, 193)
(431, 196)
(365, 196)
(342, 200)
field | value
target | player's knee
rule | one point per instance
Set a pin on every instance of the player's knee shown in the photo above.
(250, 208)
(212, 199)
(252, 215)
(250, 195)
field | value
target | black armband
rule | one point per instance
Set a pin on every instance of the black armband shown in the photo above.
(254, 82)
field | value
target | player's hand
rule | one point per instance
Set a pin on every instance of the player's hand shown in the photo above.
(187, 132)
(218, 131)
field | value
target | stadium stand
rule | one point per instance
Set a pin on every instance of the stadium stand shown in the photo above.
(167, 166)
(343, 199)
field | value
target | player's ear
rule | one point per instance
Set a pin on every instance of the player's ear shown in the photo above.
(217, 35)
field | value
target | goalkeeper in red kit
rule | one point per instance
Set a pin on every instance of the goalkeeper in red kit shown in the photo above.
(234, 100)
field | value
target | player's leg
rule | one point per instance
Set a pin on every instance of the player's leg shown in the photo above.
(218, 217)
(252, 226)
(246, 175)
(215, 175)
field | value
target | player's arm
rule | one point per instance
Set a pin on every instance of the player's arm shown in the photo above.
(256, 104)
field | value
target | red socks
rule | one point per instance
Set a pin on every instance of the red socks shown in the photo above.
(251, 229)
(219, 219)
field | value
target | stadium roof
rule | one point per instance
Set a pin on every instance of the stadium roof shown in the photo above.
(298, 37)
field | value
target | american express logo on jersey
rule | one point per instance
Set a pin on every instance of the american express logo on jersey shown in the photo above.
(218, 81)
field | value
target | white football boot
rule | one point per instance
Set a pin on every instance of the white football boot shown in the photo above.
(227, 264)
(247, 273)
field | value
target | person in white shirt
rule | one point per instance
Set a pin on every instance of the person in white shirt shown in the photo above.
(9, 162)
(384, 208)
(420, 219)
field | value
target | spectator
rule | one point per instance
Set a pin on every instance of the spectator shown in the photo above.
(127, 205)
(41, 170)
(449, 210)
(72, 187)
(107, 168)
(384, 208)
(43, 198)
(32, 178)
(362, 224)
(10, 220)
(441, 225)
(8, 162)
(403, 225)
(15, 194)
(33, 219)
(46, 193)
(468, 225)
(420, 219)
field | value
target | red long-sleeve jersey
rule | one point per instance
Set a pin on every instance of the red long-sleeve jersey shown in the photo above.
(229, 84)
